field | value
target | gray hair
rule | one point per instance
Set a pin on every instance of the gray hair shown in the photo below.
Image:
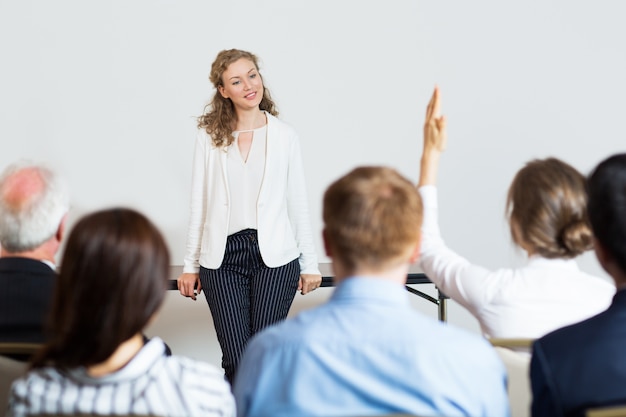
(26, 226)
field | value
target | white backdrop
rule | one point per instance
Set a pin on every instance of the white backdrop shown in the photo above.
(107, 92)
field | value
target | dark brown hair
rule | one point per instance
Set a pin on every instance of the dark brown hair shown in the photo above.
(546, 206)
(219, 118)
(372, 216)
(113, 279)
(607, 206)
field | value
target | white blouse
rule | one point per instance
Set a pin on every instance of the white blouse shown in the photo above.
(526, 302)
(245, 176)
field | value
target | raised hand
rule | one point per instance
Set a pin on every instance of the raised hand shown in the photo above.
(435, 140)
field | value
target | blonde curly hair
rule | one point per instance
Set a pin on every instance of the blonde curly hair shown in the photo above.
(219, 118)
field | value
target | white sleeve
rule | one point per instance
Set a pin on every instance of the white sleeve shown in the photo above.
(198, 206)
(454, 275)
(298, 209)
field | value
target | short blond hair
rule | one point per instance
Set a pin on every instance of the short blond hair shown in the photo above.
(372, 218)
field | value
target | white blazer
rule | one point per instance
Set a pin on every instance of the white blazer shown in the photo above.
(283, 222)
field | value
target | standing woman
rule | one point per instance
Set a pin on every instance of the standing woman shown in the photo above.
(249, 242)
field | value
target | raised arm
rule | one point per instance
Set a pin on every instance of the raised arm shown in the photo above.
(454, 275)
(435, 138)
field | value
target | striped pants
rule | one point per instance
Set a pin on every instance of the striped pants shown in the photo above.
(245, 295)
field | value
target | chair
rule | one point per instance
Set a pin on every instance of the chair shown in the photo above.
(619, 411)
(10, 370)
(13, 356)
(516, 359)
(18, 348)
(512, 343)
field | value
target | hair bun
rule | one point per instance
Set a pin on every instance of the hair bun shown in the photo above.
(576, 238)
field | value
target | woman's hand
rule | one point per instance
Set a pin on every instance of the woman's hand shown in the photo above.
(435, 139)
(189, 285)
(309, 282)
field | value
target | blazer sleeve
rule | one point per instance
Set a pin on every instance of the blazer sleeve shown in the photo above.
(198, 206)
(298, 210)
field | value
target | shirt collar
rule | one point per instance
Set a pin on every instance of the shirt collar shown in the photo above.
(152, 351)
(370, 289)
(541, 262)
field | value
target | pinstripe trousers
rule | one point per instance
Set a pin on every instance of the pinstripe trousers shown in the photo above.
(245, 295)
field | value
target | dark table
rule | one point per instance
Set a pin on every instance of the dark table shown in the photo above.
(415, 276)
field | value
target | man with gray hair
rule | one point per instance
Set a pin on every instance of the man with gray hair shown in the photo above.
(33, 208)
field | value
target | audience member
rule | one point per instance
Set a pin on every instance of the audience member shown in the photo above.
(546, 212)
(584, 365)
(33, 208)
(366, 351)
(112, 282)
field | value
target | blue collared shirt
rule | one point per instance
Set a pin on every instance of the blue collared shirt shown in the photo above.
(367, 352)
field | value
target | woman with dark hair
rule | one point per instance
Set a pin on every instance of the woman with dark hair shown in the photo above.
(546, 208)
(112, 281)
(250, 245)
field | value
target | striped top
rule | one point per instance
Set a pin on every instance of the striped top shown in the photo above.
(150, 384)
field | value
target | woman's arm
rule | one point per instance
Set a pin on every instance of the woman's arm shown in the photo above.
(465, 283)
(435, 139)
(298, 209)
(189, 280)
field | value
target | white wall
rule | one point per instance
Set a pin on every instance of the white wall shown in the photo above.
(107, 92)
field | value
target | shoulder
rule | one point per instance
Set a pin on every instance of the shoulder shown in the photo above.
(36, 381)
(283, 335)
(277, 125)
(577, 334)
(204, 139)
(193, 368)
(458, 344)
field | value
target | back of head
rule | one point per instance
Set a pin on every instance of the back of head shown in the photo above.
(113, 278)
(33, 201)
(372, 218)
(607, 206)
(546, 206)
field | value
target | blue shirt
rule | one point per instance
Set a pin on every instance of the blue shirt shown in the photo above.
(367, 352)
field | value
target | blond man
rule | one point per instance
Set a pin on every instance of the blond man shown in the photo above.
(366, 351)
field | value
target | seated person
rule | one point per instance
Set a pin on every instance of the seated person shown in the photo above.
(546, 211)
(113, 279)
(33, 208)
(366, 351)
(584, 365)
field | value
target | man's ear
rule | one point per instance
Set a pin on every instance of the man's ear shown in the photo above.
(415, 252)
(327, 248)
(600, 251)
(606, 260)
(60, 234)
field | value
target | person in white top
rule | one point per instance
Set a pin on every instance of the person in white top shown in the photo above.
(249, 243)
(96, 361)
(546, 209)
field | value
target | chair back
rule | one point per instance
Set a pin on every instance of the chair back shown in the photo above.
(515, 355)
(619, 411)
(10, 370)
(18, 348)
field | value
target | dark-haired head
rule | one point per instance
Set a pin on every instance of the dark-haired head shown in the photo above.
(113, 279)
(607, 207)
(546, 206)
